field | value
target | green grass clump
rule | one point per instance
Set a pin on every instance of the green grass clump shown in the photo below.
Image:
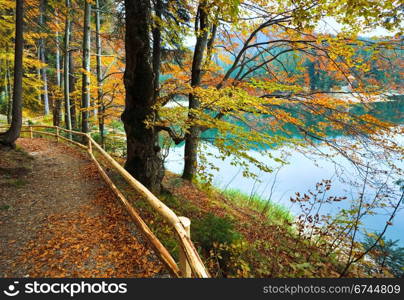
(276, 213)
(211, 230)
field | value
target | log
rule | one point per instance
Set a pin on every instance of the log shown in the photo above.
(39, 126)
(71, 131)
(56, 135)
(39, 132)
(73, 142)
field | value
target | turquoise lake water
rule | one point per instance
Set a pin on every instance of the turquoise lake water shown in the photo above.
(303, 172)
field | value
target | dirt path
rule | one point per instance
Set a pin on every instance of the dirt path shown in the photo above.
(58, 219)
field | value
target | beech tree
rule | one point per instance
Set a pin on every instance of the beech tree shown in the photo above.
(68, 119)
(85, 97)
(42, 55)
(98, 44)
(8, 93)
(143, 152)
(191, 137)
(57, 103)
(252, 43)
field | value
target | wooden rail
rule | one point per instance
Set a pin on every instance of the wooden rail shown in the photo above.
(190, 264)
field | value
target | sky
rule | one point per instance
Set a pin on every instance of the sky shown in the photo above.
(326, 25)
(329, 25)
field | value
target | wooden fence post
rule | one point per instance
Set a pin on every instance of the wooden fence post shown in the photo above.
(185, 268)
(57, 134)
(89, 149)
(31, 135)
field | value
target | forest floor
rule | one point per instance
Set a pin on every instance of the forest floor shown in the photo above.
(59, 219)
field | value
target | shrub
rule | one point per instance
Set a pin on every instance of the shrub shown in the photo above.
(211, 230)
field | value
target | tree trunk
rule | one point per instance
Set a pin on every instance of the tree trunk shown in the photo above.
(192, 137)
(39, 76)
(144, 160)
(42, 58)
(57, 113)
(11, 135)
(211, 43)
(57, 54)
(4, 92)
(157, 47)
(68, 120)
(9, 93)
(101, 109)
(45, 83)
(72, 87)
(101, 124)
(85, 95)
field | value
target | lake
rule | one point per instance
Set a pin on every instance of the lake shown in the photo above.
(303, 172)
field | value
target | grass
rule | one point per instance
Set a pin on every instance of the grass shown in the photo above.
(276, 213)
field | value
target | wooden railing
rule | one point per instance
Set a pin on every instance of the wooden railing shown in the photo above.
(190, 264)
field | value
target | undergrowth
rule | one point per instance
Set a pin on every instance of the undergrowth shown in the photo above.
(276, 213)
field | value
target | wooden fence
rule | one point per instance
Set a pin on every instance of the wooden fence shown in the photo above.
(190, 264)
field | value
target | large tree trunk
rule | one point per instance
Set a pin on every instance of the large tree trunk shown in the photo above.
(68, 120)
(192, 137)
(100, 102)
(144, 160)
(85, 95)
(42, 58)
(10, 136)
